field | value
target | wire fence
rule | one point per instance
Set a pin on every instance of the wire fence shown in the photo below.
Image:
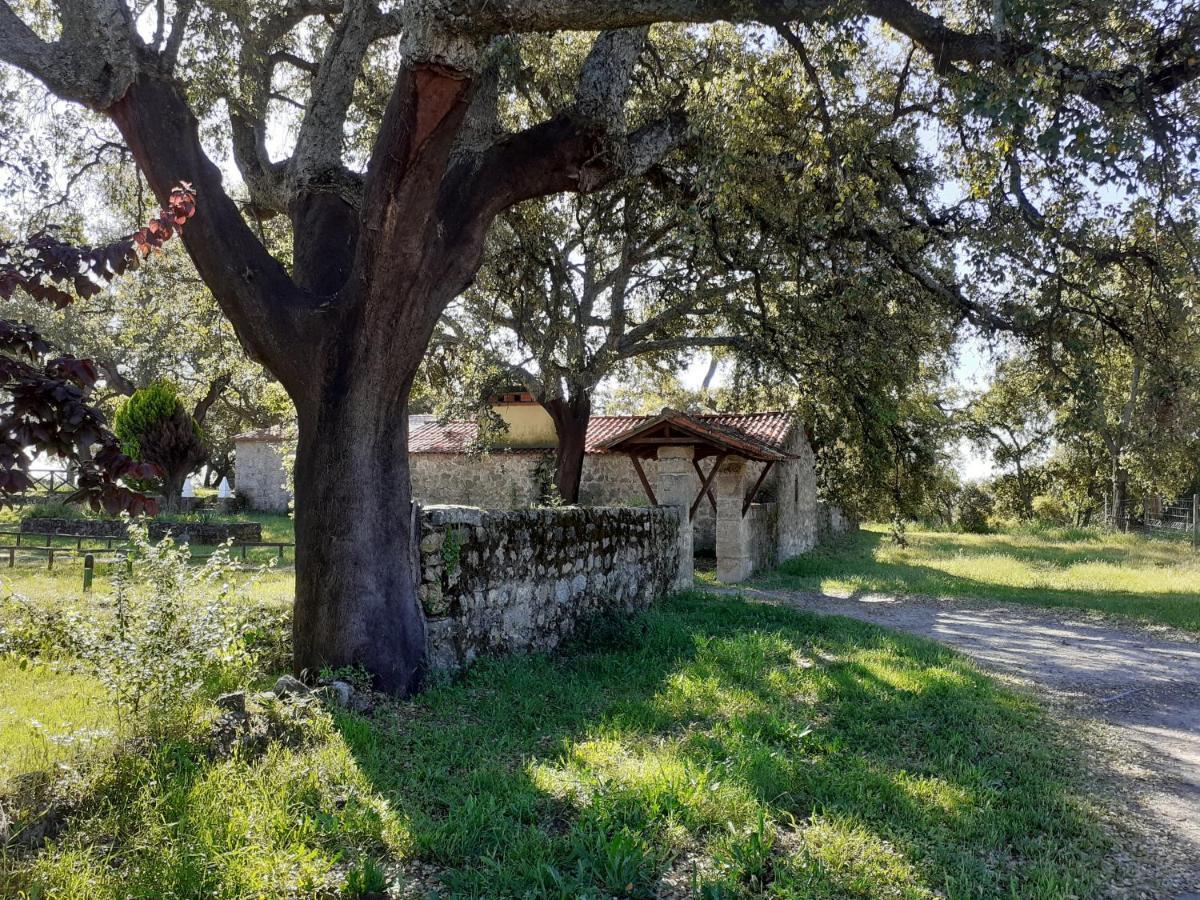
(1178, 518)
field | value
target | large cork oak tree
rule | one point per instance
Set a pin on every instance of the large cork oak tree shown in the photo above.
(380, 247)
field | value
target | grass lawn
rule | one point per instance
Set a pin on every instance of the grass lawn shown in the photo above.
(1154, 579)
(731, 748)
(62, 588)
(48, 716)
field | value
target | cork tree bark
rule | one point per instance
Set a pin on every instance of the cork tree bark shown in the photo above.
(379, 252)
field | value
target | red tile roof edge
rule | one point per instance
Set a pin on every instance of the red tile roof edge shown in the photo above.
(458, 437)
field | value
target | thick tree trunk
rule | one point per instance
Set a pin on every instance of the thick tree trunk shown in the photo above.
(570, 425)
(173, 489)
(356, 582)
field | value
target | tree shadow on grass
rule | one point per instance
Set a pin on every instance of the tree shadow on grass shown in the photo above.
(1031, 549)
(856, 562)
(862, 546)
(882, 764)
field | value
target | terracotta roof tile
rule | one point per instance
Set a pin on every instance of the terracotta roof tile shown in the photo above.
(453, 437)
(274, 435)
(770, 428)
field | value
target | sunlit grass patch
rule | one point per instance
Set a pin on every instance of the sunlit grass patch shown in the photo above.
(49, 715)
(1123, 574)
(174, 824)
(62, 588)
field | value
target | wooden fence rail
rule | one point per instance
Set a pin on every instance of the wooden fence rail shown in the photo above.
(41, 542)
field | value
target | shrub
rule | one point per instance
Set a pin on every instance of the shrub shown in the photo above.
(1049, 510)
(176, 630)
(54, 509)
(974, 507)
(142, 411)
(177, 633)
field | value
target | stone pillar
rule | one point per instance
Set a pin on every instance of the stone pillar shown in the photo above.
(735, 561)
(674, 487)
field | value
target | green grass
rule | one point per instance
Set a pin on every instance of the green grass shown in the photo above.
(1156, 580)
(742, 747)
(62, 588)
(48, 716)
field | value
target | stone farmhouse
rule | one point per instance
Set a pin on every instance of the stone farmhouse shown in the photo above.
(745, 481)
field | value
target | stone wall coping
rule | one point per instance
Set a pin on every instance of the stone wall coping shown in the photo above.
(444, 514)
(195, 532)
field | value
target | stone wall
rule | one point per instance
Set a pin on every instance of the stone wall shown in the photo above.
(511, 480)
(764, 523)
(793, 486)
(259, 475)
(490, 480)
(832, 521)
(209, 533)
(609, 479)
(495, 582)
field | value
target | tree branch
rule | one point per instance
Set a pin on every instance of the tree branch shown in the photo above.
(216, 388)
(267, 310)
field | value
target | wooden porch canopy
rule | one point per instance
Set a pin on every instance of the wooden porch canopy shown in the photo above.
(671, 428)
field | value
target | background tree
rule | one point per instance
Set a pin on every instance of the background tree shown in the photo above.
(163, 324)
(767, 222)
(1012, 421)
(571, 290)
(379, 251)
(154, 427)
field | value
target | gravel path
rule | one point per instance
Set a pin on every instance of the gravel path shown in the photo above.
(1143, 684)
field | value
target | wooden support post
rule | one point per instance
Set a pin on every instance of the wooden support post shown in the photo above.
(89, 567)
(1196, 521)
(50, 559)
(762, 476)
(244, 551)
(12, 557)
(700, 473)
(705, 485)
(18, 539)
(642, 477)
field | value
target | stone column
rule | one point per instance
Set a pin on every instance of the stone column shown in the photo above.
(674, 487)
(734, 559)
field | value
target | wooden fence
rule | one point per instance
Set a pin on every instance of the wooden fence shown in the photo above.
(46, 484)
(74, 546)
